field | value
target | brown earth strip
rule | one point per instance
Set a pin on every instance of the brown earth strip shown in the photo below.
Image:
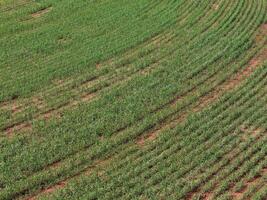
(248, 133)
(233, 82)
(41, 12)
(154, 40)
(184, 115)
(52, 113)
(211, 97)
(50, 190)
(249, 183)
(24, 127)
(14, 107)
(39, 103)
(96, 167)
(11, 129)
(111, 61)
(84, 98)
(17, 5)
(215, 6)
(230, 156)
(251, 71)
(205, 196)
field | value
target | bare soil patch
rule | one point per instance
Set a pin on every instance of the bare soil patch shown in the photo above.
(12, 106)
(215, 6)
(249, 132)
(154, 133)
(25, 127)
(98, 65)
(247, 185)
(233, 82)
(16, 108)
(49, 190)
(38, 102)
(98, 166)
(48, 115)
(204, 196)
(207, 196)
(262, 33)
(214, 95)
(41, 12)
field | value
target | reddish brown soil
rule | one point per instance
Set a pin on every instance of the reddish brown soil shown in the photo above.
(53, 113)
(239, 194)
(154, 133)
(233, 82)
(49, 190)
(228, 85)
(215, 6)
(98, 65)
(41, 12)
(207, 196)
(25, 127)
(247, 133)
(98, 166)
(248, 184)
(204, 101)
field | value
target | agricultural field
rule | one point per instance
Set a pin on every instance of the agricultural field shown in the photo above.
(133, 99)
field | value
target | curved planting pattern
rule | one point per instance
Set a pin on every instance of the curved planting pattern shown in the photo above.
(120, 99)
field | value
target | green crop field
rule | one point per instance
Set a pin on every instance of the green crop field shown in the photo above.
(133, 99)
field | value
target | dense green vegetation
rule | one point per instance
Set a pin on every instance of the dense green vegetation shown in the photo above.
(120, 99)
